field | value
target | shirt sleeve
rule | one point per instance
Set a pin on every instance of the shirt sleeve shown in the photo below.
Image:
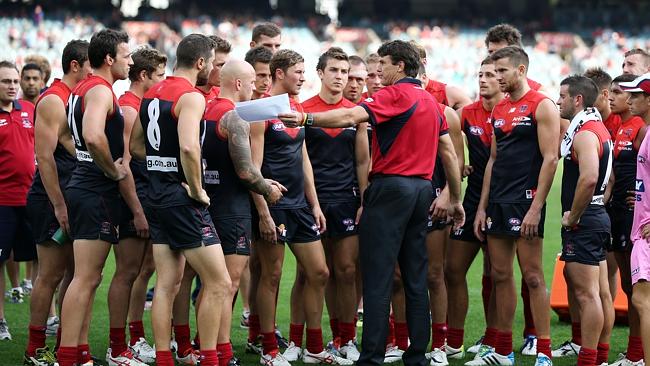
(385, 104)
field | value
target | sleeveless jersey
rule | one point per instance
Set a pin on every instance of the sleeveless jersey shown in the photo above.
(129, 99)
(475, 123)
(613, 123)
(160, 126)
(87, 175)
(331, 151)
(533, 84)
(138, 167)
(283, 159)
(594, 217)
(228, 195)
(65, 162)
(625, 156)
(519, 160)
(438, 90)
(211, 95)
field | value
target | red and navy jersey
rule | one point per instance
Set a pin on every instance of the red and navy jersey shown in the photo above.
(87, 175)
(438, 90)
(211, 95)
(160, 126)
(625, 155)
(519, 160)
(129, 99)
(613, 123)
(595, 216)
(65, 162)
(283, 159)
(228, 195)
(475, 124)
(16, 153)
(439, 178)
(331, 151)
(406, 126)
(533, 84)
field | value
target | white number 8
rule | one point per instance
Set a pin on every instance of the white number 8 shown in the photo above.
(153, 128)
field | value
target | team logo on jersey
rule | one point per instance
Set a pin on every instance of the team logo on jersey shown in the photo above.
(639, 186)
(568, 250)
(476, 130)
(369, 100)
(512, 110)
(498, 123)
(514, 221)
(315, 228)
(3, 122)
(27, 123)
(627, 132)
(523, 108)
(641, 159)
(207, 232)
(521, 119)
(278, 126)
(241, 242)
(24, 114)
(105, 228)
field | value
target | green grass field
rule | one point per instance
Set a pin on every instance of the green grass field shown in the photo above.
(11, 352)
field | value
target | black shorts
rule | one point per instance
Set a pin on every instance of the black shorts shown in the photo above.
(126, 225)
(42, 220)
(584, 246)
(466, 232)
(295, 225)
(235, 234)
(340, 218)
(182, 227)
(93, 216)
(505, 219)
(621, 219)
(436, 225)
(16, 235)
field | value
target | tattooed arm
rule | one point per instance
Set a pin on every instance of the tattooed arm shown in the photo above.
(238, 132)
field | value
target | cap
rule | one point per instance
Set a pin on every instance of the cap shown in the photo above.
(638, 85)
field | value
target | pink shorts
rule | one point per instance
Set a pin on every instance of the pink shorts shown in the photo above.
(640, 261)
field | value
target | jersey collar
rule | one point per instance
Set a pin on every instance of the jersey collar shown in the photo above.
(410, 81)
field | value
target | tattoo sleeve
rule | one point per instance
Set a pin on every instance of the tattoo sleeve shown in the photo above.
(240, 153)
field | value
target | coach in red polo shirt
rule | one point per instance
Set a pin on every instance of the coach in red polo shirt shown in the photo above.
(406, 138)
(16, 170)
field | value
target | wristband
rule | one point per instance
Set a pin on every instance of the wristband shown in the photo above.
(304, 119)
(309, 120)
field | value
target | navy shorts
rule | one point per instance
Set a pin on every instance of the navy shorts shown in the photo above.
(505, 219)
(466, 232)
(621, 219)
(584, 246)
(42, 220)
(182, 227)
(16, 235)
(93, 216)
(235, 234)
(340, 218)
(295, 225)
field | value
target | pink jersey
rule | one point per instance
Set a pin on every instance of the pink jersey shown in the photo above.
(642, 204)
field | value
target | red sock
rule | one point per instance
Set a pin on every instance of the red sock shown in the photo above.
(36, 339)
(587, 357)
(67, 356)
(295, 333)
(118, 341)
(455, 337)
(253, 327)
(486, 291)
(544, 346)
(438, 335)
(334, 326)
(224, 350)
(634, 349)
(83, 354)
(314, 340)
(348, 331)
(603, 353)
(182, 337)
(58, 339)
(197, 341)
(391, 332)
(164, 358)
(529, 322)
(491, 337)
(269, 343)
(504, 343)
(209, 357)
(401, 335)
(136, 331)
(576, 333)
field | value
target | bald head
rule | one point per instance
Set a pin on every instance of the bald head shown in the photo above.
(238, 80)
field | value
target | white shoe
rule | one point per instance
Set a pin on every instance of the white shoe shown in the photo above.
(143, 351)
(271, 360)
(16, 295)
(190, 359)
(292, 353)
(324, 357)
(543, 360)
(567, 349)
(455, 353)
(475, 348)
(53, 323)
(482, 351)
(530, 346)
(493, 359)
(626, 362)
(393, 354)
(125, 358)
(27, 286)
(350, 351)
(4, 329)
(437, 357)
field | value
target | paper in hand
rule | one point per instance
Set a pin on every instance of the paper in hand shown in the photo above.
(263, 109)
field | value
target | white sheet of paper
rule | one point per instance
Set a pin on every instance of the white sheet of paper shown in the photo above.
(263, 109)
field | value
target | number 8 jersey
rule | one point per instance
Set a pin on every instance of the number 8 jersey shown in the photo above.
(160, 126)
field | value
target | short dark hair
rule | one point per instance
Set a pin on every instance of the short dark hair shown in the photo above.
(418, 47)
(222, 45)
(372, 58)
(283, 60)
(503, 33)
(487, 61)
(599, 76)
(8, 65)
(31, 66)
(582, 85)
(104, 43)
(624, 78)
(356, 60)
(336, 53)
(43, 63)
(258, 54)
(516, 55)
(145, 59)
(265, 29)
(191, 48)
(75, 50)
(404, 52)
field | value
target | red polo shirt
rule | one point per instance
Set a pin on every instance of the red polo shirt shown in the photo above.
(16, 153)
(406, 124)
